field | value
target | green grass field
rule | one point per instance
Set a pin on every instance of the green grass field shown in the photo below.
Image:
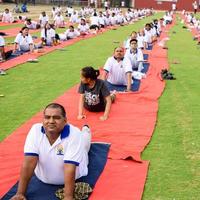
(173, 152)
(28, 87)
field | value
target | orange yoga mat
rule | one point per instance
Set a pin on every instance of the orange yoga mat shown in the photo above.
(23, 58)
(12, 32)
(8, 24)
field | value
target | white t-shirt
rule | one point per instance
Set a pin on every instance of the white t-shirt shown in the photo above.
(102, 20)
(68, 148)
(105, 4)
(148, 36)
(7, 17)
(141, 41)
(23, 42)
(173, 6)
(107, 20)
(59, 20)
(70, 34)
(117, 70)
(50, 34)
(113, 20)
(2, 41)
(94, 20)
(43, 19)
(74, 18)
(83, 28)
(33, 25)
(53, 13)
(135, 58)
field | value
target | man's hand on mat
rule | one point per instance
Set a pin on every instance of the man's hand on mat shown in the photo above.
(18, 197)
(103, 118)
(81, 117)
(127, 90)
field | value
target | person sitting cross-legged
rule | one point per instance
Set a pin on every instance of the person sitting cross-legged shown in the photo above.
(48, 35)
(23, 41)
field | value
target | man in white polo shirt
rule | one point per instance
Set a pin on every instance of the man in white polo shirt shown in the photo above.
(135, 55)
(118, 70)
(57, 152)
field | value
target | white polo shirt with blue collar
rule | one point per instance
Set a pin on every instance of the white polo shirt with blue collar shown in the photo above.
(117, 71)
(136, 58)
(68, 148)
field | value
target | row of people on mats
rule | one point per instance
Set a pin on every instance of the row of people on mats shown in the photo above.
(24, 42)
(56, 131)
(74, 16)
(125, 64)
(119, 69)
(192, 20)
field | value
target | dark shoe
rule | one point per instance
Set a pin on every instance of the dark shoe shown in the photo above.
(164, 71)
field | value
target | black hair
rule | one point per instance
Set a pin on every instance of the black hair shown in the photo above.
(56, 106)
(23, 29)
(135, 40)
(90, 72)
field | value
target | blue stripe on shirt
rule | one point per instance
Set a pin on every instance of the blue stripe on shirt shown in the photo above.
(31, 154)
(71, 162)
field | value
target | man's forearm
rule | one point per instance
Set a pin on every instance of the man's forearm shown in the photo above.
(69, 173)
(129, 80)
(27, 170)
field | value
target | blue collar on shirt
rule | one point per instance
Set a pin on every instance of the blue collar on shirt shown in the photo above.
(64, 133)
(132, 51)
(116, 58)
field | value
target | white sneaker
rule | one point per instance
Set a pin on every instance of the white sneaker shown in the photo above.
(86, 135)
(86, 128)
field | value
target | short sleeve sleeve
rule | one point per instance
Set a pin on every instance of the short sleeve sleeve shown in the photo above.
(127, 65)
(31, 147)
(140, 55)
(30, 40)
(17, 39)
(74, 152)
(81, 89)
(42, 33)
(107, 66)
(2, 42)
(104, 89)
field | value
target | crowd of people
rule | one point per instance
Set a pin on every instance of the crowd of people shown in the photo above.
(192, 20)
(66, 147)
(88, 21)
